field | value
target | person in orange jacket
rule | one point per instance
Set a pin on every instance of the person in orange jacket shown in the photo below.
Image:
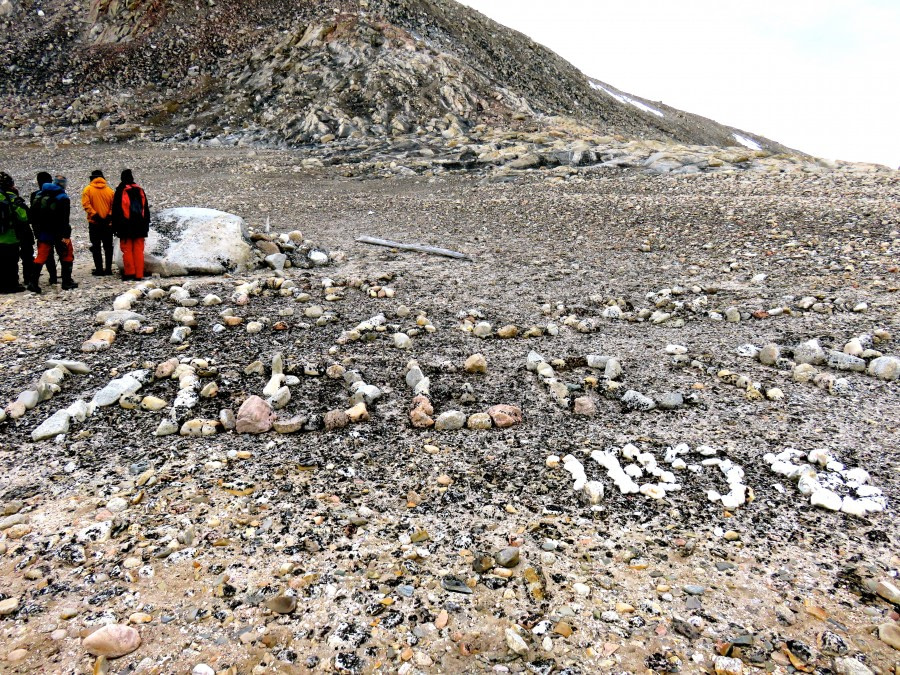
(97, 199)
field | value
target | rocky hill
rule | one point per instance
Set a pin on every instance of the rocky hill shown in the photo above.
(301, 72)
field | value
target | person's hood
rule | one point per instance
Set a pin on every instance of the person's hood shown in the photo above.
(52, 189)
(99, 183)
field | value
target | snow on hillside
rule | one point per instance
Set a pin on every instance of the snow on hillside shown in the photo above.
(747, 142)
(621, 98)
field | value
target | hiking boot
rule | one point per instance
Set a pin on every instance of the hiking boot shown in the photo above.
(97, 273)
(31, 285)
(67, 282)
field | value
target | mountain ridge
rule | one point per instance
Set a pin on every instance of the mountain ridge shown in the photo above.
(458, 61)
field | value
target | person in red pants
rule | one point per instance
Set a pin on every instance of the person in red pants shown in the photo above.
(50, 220)
(131, 224)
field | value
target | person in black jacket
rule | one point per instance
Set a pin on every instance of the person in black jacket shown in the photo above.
(50, 219)
(42, 178)
(131, 224)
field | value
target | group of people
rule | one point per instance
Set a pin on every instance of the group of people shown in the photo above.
(123, 213)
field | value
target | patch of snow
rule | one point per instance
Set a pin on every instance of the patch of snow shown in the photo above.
(621, 98)
(747, 142)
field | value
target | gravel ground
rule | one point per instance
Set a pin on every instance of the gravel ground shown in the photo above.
(364, 525)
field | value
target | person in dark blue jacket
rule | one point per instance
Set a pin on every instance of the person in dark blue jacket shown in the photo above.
(50, 220)
(42, 178)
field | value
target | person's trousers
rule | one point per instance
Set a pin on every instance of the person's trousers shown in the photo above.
(9, 267)
(26, 255)
(44, 249)
(133, 257)
(101, 243)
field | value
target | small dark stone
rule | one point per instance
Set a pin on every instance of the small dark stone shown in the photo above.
(454, 585)
(684, 628)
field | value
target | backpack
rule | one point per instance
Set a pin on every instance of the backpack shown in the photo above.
(134, 205)
(6, 214)
(41, 211)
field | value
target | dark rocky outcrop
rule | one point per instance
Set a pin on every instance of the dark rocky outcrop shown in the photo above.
(280, 72)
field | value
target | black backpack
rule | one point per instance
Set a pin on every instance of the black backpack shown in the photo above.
(42, 209)
(6, 214)
(134, 205)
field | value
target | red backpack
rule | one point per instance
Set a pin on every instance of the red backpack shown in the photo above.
(134, 204)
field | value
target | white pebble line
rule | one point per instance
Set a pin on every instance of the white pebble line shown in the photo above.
(101, 340)
(869, 499)
(645, 463)
(47, 386)
(854, 357)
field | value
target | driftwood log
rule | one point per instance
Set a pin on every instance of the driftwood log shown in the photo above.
(434, 250)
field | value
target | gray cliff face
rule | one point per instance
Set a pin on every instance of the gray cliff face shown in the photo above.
(297, 73)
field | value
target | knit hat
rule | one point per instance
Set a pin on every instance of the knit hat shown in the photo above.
(6, 181)
(96, 173)
(127, 177)
(61, 181)
(43, 178)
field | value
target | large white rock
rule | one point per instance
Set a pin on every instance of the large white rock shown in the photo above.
(195, 241)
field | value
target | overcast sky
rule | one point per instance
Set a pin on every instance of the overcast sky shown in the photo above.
(820, 76)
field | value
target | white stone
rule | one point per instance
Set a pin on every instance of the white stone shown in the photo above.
(593, 491)
(482, 329)
(180, 334)
(533, 360)
(827, 499)
(195, 241)
(612, 370)
(728, 666)
(515, 642)
(166, 428)
(652, 490)
(56, 424)
(450, 420)
(112, 641)
(280, 398)
(885, 368)
(117, 505)
(29, 398)
(119, 316)
(402, 341)
(809, 352)
(115, 390)
(79, 410)
(850, 666)
(75, 367)
(276, 261)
